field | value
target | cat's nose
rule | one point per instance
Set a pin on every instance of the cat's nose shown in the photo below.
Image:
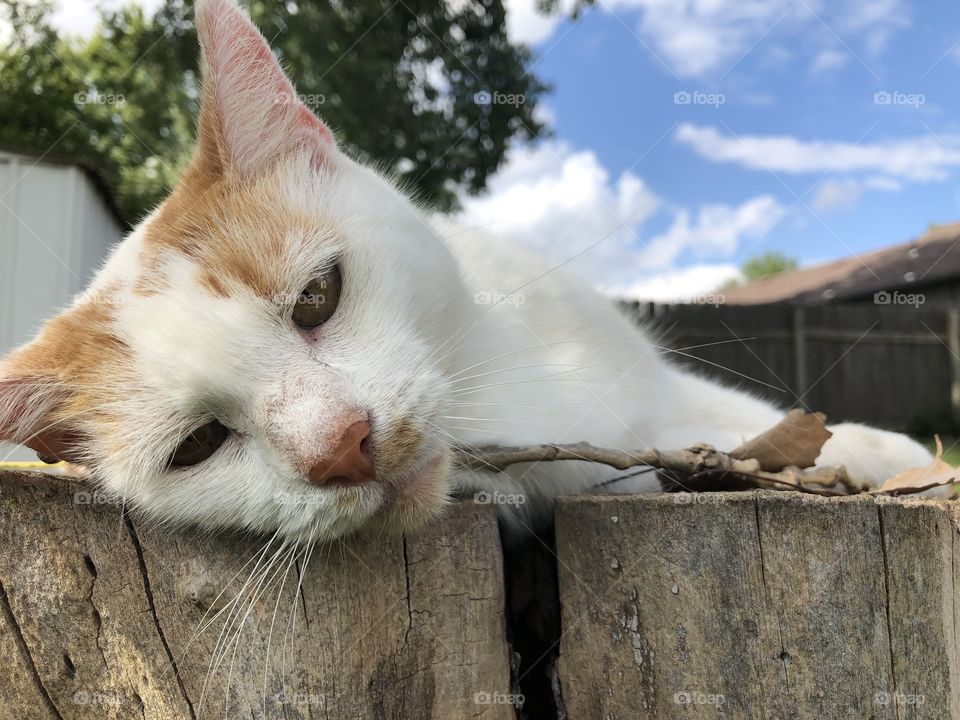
(350, 462)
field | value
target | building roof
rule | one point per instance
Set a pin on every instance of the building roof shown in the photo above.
(932, 258)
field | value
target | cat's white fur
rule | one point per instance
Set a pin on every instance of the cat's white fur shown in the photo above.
(628, 394)
(459, 336)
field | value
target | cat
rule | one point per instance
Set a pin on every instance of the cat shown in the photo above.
(290, 344)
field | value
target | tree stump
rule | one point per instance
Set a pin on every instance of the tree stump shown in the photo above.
(97, 613)
(764, 605)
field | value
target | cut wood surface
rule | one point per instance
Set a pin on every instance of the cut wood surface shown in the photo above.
(97, 613)
(768, 605)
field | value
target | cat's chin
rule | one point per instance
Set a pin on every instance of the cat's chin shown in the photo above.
(416, 497)
(392, 505)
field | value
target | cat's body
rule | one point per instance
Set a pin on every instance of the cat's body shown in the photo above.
(287, 344)
(571, 367)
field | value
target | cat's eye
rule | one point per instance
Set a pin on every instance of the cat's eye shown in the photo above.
(200, 444)
(319, 299)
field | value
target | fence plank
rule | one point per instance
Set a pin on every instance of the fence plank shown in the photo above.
(757, 605)
(831, 357)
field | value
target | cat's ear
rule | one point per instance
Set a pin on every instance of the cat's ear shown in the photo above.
(30, 414)
(250, 113)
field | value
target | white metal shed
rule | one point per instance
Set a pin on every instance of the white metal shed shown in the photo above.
(56, 226)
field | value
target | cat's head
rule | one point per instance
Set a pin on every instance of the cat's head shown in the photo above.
(267, 349)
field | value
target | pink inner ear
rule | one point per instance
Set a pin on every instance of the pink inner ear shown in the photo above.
(27, 405)
(257, 106)
(56, 445)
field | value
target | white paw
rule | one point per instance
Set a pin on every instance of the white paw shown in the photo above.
(871, 455)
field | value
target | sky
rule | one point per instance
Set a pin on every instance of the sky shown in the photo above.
(691, 135)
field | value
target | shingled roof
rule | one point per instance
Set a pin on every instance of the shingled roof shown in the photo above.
(930, 259)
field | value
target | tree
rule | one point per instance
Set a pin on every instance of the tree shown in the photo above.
(767, 265)
(432, 92)
(762, 266)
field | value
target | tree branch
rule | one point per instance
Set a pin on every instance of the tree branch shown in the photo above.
(688, 462)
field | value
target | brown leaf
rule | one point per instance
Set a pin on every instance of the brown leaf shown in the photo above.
(795, 440)
(914, 480)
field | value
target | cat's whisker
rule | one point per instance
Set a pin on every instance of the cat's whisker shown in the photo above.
(297, 597)
(507, 421)
(517, 404)
(590, 342)
(259, 590)
(201, 626)
(520, 367)
(730, 370)
(470, 429)
(605, 383)
(273, 619)
(235, 608)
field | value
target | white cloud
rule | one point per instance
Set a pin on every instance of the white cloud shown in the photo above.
(703, 37)
(698, 38)
(526, 24)
(559, 202)
(845, 193)
(716, 230)
(876, 20)
(912, 159)
(689, 284)
(562, 202)
(830, 59)
(80, 17)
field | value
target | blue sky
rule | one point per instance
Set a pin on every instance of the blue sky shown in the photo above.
(821, 128)
(797, 126)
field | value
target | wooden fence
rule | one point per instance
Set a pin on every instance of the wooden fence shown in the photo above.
(895, 365)
(751, 605)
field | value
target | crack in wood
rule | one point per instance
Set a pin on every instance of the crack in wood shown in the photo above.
(25, 653)
(886, 605)
(153, 613)
(784, 656)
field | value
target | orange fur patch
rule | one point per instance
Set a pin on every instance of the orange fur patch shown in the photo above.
(79, 352)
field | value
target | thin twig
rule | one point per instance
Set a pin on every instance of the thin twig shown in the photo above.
(686, 463)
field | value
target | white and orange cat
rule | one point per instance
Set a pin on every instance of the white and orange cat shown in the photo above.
(289, 343)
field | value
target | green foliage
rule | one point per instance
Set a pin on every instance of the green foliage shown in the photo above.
(762, 266)
(126, 98)
(767, 265)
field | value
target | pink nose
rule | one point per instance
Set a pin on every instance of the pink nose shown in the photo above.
(350, 462)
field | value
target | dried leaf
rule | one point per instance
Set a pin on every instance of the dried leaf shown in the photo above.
(795, 440)
(914, 480)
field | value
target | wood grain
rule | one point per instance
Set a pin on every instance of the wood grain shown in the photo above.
(98, 613)
(758, 605)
